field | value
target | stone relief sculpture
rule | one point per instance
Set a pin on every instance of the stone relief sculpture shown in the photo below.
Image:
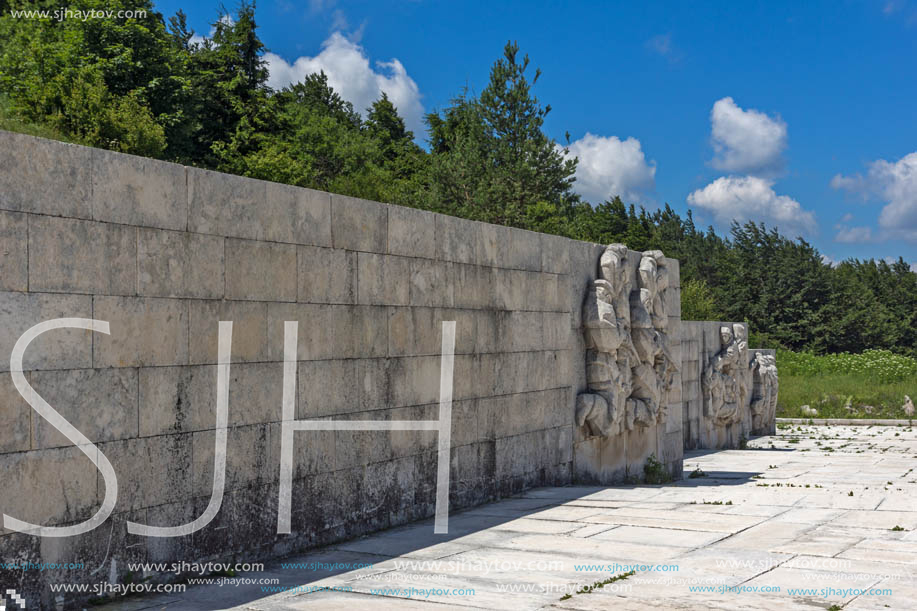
(629, 363)
(764, 398)
(720, 381)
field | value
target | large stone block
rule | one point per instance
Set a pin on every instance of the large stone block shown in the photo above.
(249, 330)
(248, 458)
(509, 289)
(179, 264)
(327, 275)
(411, 232)
(257, 210)
(138, 191)
(473, 286)
(58, 349)
(524, 250)
(456, 239)
(431, 283)
(328, 388)
(48, 487)
(556, 331)
(412, 381)
(151, 470)
(255, 394)
(15, 417)
(68, 255)
(555, 254)
(359, 224)
(315, 339)
(14, 252)
(100, 403)
(44, 176)
(418, 331)
(492, 246)
(383, 279)
(359, 331)
(177, 399)
(144, 331)
(260, 270)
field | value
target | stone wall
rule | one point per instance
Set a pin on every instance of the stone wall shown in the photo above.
(163, 253)
(705, 426)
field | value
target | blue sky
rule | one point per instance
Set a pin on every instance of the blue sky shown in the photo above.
(802, 115)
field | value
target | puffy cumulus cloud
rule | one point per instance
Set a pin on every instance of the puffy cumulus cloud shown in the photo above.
(746, 141)
(609, 166)
(853, 235)
(828, 261)
(351, 75)
(744, 198)
(894, 182)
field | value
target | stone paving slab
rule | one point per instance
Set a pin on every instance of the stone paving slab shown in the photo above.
(815, 517)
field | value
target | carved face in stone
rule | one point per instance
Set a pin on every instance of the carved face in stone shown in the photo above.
(613, 265)
(740, 333)
(725, 336)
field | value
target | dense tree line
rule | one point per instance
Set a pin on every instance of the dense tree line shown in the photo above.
(145, 86)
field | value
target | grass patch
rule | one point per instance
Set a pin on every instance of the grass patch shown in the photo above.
(599, 584)
(655, 471)
(867, 385)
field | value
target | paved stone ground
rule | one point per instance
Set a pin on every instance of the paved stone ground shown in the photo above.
(815, 508)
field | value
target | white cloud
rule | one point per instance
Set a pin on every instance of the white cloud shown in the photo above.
(609, 166)
(914, 267)
(895, 183)
(746, 141)
(744, 198)
(853, 235)
(351, 75)
(828, 261)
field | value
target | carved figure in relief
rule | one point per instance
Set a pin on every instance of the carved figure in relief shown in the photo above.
(765, 387)
(720, 380)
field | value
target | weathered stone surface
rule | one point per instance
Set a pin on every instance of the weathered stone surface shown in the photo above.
(138, 191)
(555, 254)
(179, 264)
(456, 239)
(100, 403)
(257, 210)
(359, 224)
(15, 417)
(177, 399)
(262, 271)
(315, 339)
(44, 176)
(431, 283)
(247, 458)
(14, 252)
(65, 477)
(383, 279)
(411, 232)
(144, 331)
(320, 392)
(58, 349)
(327, 275)
(359, 331)
(68, 255)
(151, 470)
(473, 286)
(249, 330)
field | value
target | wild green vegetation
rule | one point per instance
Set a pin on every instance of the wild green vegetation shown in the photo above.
(872, 384)
(142, 86)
